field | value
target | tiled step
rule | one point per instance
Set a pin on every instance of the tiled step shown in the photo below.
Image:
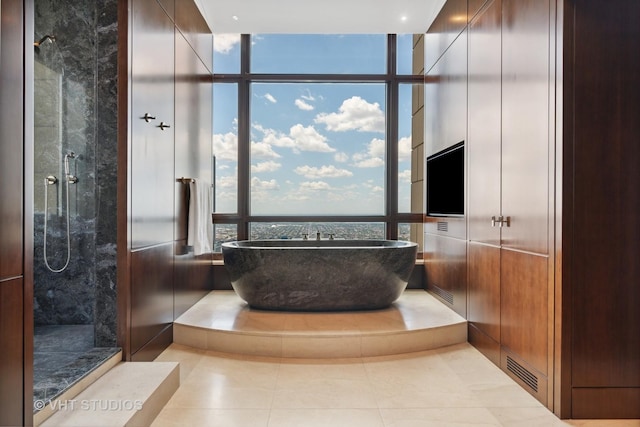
(221, 321)
(130, 394)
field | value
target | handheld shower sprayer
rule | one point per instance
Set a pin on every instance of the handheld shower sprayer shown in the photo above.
(71, 179)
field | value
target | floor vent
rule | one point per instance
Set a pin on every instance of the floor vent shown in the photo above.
(523, 373)
(443, 226)
(445, 295)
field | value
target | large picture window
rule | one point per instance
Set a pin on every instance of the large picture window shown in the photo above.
(312, 133)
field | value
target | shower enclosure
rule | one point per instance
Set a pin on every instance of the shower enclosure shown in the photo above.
(75, 51)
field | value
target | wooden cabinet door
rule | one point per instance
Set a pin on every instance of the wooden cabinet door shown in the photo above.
(152, 155)
(525, 124)
(484, 125)
(446, 98)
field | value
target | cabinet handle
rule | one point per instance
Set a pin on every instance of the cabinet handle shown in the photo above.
(147, 117)
(163, 125)
(501, 221)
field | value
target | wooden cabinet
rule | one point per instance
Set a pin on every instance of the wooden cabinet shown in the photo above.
(446, 118)
(446, 270)
(193, 151)
(152, 144)
(16, 328)
(170, 138)
(508, 189)
(446, 98)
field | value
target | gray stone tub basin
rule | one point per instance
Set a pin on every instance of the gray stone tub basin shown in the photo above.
(324, 275)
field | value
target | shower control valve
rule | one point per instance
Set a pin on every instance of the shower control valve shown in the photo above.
(51, 180)
(147, 117)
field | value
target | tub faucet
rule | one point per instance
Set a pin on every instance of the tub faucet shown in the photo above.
(318, 235)
(305, 236)
(331, 236)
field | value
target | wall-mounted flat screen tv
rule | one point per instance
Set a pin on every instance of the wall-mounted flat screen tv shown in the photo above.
(445, 182)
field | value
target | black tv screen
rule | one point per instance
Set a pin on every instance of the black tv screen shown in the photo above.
(445, 182)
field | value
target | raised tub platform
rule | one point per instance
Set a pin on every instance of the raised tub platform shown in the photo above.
(223, 322)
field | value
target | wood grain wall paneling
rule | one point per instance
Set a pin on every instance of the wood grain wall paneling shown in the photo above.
(151, 293)
(12, 354)
(446, 99)
(196, 31)
(525, 124)
(484, 148)
(12, 137)
(152, 150)
(605, 156)
(484, 289)
(524, 307)
(443, 31)
(445, 262)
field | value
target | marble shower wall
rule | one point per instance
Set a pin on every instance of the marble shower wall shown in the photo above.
(76, 110)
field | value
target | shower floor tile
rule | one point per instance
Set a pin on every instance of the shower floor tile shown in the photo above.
(63, 354)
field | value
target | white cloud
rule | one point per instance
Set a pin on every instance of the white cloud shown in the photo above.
(405, 176)
(303, 105)
(270, 98)
(224, 43)
(263, 150)
(268, 166)
(373, 162)
(341, 157)
(322, 172)
(225, 146)
(373, 157)
(227, 182)
(309, 139)
(355, 113)
(257, 183)
(404, 148)
(314, 185)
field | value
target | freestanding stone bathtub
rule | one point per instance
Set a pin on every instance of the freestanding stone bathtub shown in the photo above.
(319, 275)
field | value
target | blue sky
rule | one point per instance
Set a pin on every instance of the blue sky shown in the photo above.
(315, 148)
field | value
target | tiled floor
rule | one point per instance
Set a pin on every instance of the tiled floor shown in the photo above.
(63, 354)
(451, 386)
(447, 386)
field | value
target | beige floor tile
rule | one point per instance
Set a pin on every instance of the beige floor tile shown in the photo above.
(325, 418)
(438, 417)
(187, 417)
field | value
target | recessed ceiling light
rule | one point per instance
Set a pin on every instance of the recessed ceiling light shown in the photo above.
(403, 18)
(235, 17)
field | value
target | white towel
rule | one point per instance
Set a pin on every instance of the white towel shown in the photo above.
(200, 229)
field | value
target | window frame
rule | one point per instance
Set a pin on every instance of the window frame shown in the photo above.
(243, 217)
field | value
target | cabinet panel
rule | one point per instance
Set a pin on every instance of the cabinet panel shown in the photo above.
(446, 99)
(196, 31)
(524, 307)
(151, 293)
(484, 125)
(606, 204)
(11, 356)
(446, 270)
(484, 289)
(193, 278)
(525, 123)
(11, 138)
(443, 31)
(152, 157)
(193, 129)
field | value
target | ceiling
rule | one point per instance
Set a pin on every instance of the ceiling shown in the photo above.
(320, 17)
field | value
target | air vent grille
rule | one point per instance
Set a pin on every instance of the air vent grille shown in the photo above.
(445, 295)
(523, 373)
(443, 226)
